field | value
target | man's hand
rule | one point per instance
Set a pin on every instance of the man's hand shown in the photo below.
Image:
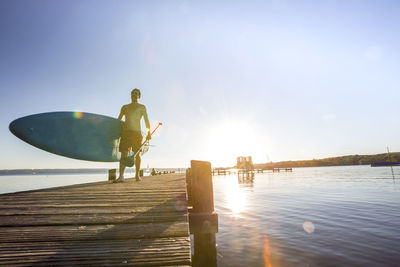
(148, 134)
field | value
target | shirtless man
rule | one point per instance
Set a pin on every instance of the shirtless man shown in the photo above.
(131, 137)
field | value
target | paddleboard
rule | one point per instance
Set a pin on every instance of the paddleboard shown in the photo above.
(77, 135)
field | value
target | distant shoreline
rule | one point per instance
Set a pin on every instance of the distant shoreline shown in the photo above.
(325, 162)
(333, 161)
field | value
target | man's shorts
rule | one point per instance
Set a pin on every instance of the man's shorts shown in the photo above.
(130, 139)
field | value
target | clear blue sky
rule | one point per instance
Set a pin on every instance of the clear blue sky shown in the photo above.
(279, 80)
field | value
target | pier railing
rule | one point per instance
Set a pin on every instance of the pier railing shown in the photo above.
(244, 171)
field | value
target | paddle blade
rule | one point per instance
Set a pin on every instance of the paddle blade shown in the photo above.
(129, 161)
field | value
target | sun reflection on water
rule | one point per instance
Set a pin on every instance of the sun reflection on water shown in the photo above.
(235, 197)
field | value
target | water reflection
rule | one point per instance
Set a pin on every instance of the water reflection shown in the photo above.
(236, 198)
(246, 178)
(235, 192)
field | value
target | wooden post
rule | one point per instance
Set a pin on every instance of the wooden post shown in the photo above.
(112, 174)
(189, 189)
(202, 187)
(203, 221)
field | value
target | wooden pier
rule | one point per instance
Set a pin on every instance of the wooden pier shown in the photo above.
(130, 223)
(248, 171)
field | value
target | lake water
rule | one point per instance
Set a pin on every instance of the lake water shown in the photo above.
(327, 216)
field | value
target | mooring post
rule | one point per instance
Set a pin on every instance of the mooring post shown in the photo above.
(112, 174)
(203, 221)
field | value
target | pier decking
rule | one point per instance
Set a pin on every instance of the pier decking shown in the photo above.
(130, 223)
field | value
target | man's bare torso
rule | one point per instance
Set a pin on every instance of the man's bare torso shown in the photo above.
(133, 114)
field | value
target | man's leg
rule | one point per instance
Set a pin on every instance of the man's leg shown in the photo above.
(137, 163)
(124, 155)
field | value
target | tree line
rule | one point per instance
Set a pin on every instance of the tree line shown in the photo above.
(334, 161)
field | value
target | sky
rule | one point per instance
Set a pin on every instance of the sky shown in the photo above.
(277, 80)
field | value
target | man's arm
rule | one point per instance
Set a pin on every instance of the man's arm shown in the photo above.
(121, 113)
(146, 121)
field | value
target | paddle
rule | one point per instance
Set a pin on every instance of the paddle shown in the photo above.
(130, 160)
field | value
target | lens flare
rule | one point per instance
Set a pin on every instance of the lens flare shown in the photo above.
(78, 115)
(267, 252)
(308, 227)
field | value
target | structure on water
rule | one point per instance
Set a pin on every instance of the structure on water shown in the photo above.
(244, 163)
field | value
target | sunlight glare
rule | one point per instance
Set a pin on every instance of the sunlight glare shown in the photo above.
(236, 199)
(231, 139)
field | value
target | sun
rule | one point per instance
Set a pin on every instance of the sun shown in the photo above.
(230, 139)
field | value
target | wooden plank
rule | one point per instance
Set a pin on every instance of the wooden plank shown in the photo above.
(12, 247)
(93, 232)
(111, 191)
(88, 204)
(101, 209)
(87, 219)
(104, 198)
(138, 251)
(89, 201)
(100, 223)
(91, 195)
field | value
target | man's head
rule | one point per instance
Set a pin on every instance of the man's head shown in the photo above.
(135, 95)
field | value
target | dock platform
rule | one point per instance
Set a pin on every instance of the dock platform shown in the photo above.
(98, 224)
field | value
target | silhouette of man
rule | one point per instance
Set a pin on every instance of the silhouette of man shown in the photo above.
(131, 137)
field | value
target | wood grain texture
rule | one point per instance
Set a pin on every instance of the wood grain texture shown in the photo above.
(132, 223)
